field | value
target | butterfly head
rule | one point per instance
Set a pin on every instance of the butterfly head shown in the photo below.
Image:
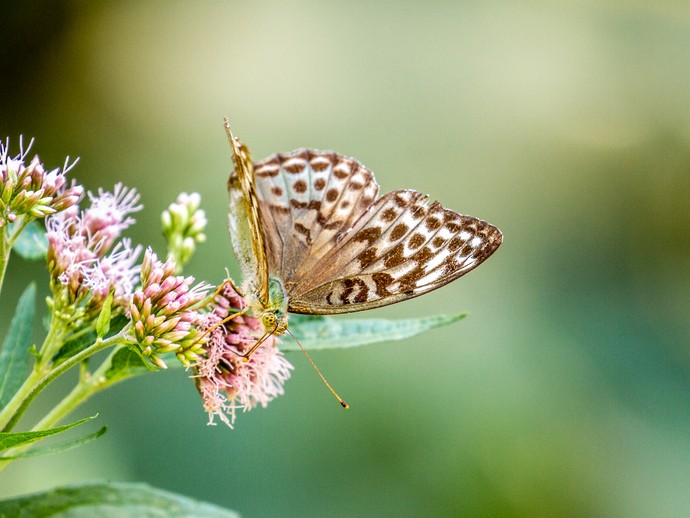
(274, 322)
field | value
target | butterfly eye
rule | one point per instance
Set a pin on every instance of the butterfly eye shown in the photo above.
(269, 321)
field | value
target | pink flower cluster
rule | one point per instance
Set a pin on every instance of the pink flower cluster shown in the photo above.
(226, 381)
(83, 263)
(31, 190)
(165, 313)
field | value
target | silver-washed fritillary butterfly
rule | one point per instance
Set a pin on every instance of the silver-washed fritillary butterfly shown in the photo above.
(313, 236)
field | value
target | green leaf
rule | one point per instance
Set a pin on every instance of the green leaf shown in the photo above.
(75, 346)
(114, 499)
(14, 439)
(126, 363)
(103, 322)
(59, 448)
(32, 243)
(319, 332)
(14, 355)
(82, 341)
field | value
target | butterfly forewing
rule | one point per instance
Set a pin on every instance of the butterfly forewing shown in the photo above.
(308, 200)
(338, 249)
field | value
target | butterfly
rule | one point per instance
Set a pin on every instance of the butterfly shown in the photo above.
(313, 236)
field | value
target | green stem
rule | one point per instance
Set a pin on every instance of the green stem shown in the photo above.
(52, 343)
(13, 404)
(7, 242)
(41, 368)
(4, 254)
(87, 386)
(18, 228)
(14, 410)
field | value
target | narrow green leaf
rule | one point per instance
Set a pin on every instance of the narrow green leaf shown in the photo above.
(58, 448)
(317, 332)
(14, 439)
(103, 322)
(14, 355)
(110, 499)
(32, 243)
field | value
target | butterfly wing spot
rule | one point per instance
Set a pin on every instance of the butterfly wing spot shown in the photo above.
(295, 165)
(395, 256)
(270, 170)
(398, 231)
(438, 242)
(358, 289)
(342, 171)
(367, 258)
(321, 163)
(416, 241)
(332, 195)
(369, 235)
(433, 224)
(301, 229)
(389, 215)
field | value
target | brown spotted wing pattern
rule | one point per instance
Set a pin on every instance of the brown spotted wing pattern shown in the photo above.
(338, 247)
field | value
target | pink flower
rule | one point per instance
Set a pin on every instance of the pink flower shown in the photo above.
(117, 271)
(83, 264)
(165, 312)
(109, 213)
(226, 381)
(29, 191)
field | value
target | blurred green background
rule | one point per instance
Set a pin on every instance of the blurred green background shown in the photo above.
(566, 392)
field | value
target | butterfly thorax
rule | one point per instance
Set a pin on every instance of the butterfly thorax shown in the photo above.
(273, 314)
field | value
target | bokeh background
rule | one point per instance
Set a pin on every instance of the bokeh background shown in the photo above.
(566, 392)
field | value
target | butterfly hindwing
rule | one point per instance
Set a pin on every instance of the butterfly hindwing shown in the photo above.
(402, 248)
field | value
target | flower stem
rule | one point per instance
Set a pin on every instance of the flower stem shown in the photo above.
(7, 242)
(37, 382)
(87, 386)
(42, 366)
(4, 253)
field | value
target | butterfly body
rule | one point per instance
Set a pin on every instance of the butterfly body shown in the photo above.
(313, 236)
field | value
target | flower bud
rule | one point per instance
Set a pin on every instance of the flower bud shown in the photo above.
(165, 310)
(29, 190)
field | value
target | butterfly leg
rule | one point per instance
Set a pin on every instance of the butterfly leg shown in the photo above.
(245, 356)
(222, 322)
(227, 282)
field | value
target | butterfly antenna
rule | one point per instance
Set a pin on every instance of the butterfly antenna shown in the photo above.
(340, 400)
